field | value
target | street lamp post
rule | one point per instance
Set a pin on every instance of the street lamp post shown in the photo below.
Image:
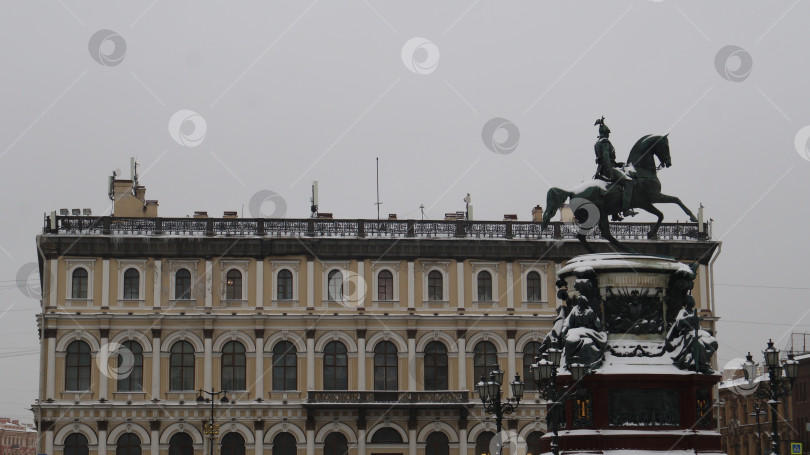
(211, 429)
(780, 382)
(545, 377)
(756, 413)
(490, 394)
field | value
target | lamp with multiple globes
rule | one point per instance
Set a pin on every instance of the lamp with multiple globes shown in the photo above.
(211, 429)
(490, 394)
(545, 377)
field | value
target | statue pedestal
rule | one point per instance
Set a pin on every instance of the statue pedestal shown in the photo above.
(645, 394)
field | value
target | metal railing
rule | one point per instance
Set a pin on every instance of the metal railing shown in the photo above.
(308, 227)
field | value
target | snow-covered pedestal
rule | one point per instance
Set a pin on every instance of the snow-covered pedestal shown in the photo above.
(631, 320)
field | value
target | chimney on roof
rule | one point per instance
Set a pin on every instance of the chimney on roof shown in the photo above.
(392, 216)
(229, 214)
(200, 214)
(129, 198)
(537, 214)
(324, 216)
(510, 217)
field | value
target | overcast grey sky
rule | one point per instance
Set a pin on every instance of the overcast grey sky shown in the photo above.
(295, 91)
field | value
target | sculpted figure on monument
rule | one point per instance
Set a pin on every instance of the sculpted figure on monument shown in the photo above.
(609, 170)
(583, 335)
(692, 347)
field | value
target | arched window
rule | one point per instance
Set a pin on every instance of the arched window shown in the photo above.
(182, 284)
(128, 444)
(285, 366)
(181, 366)
(435, 286)
(233, 366)
(533, 443)
(529, 353)
(335, 444)
(233, 444)
(78, 289)
(484, 286)
(335, 366)
(132, 284)
(482, 443)
(385, 285)
(77, 366)
(435, 366)
(181, 444)
(484, 360)
(76, 444)
(130, 367)
(285, 285)
(386, 436)
(284, 444)
(533, 287)
(335, 285)
(437, 443)
(385, 366)
(233, 285)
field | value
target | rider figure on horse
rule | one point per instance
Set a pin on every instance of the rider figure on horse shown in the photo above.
(609, 170)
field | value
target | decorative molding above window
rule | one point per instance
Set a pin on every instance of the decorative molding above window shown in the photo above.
(140, 266)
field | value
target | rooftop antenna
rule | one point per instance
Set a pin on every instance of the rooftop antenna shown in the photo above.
(133, 172)
(378, 203)
(422, 208)
(314, 200)
(110, 183)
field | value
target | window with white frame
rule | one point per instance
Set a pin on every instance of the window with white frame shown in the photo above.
(131, 283)
(284, 281)
(485, 282)
(336, 281)
(385, 287)
(534, 283)
(435, 286)
(79, 282)
(234, 280)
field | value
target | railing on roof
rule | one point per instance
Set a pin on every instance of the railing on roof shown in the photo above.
(308, 227)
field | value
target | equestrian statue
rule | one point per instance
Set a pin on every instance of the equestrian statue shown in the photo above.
(618, 188)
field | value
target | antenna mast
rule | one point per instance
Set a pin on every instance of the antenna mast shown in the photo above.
(378, 203)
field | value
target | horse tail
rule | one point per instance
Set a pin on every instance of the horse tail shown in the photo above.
(555, 198)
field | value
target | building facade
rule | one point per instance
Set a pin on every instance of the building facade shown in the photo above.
(329, 336)
(17, 438)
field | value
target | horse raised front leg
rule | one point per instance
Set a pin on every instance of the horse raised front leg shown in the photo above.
(653, 234)
(667, 199)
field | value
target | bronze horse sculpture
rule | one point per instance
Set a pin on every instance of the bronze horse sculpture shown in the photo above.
(607, 197)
